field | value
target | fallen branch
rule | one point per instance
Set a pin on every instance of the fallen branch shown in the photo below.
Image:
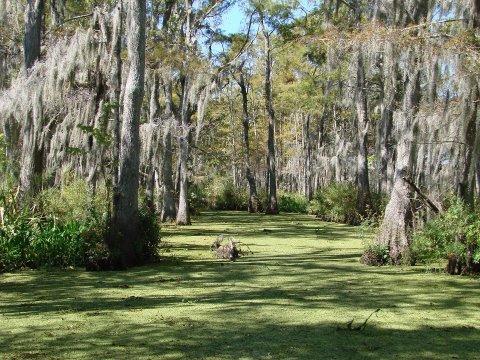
(424, 197)
(349, 325)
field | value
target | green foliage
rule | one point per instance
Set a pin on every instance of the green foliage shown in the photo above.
(376, 209)
(375, 255)
(73, 201)
(95, 249)
(311, 273)
(217, 193)
(8, 167)
(15, 235)
(231, 198)
(33, 237)
(27, 241)
(197, 197)
(337, 202)
(149, 226)
(292, 203)
(456, 232)
(65, 227)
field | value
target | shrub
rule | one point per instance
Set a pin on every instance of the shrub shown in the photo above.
(294, 203)
(73, 202)
(149, 225)
(65, 232)
(230, 198)
(197, 197)
(453, 236)
(96, 255)
(377, 208)
(375, 255)
(15, 235)
(337, 202)
(27, 241)
(58, 244)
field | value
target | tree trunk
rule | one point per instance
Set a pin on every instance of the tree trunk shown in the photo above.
(33, 31)
(398, 213)
(234, 147)
(183, 211)
(150, 166)
(465, 185)
(116, 84)
(476, 13)
(32, 155)
(307, 152)
(253, 197)
(384, 148)
(363, 200)
(272, 206)
(57, 11)
(126, 249)
(169, 210)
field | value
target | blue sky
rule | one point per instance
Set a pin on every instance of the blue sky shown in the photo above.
(234, 20)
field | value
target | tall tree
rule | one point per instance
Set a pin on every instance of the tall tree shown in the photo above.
(169, 209)
(184, 122)
(194, 88)
(253, 197)
(272, 205)
(398, 213)
(362, 136)
(32, 156)
(126, 249)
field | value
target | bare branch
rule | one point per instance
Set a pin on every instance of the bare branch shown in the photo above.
(424, 197)
(244, 45)
(431, 23)
(79, 17)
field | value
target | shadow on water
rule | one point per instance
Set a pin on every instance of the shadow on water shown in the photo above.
(199, 307)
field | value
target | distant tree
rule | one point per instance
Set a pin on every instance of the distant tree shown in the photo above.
(271, 13)
(241, 80)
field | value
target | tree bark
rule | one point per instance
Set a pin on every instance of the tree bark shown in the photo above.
(116, 85)
(169, 210)
(32, 153)
(234, 145)
(476, 13)
(253, 197)
(57, 11)
(307, 153)
(398, 213)
(183, 211)
(126, 249)
(150, 168)
(384, 148)
(272, 205)
(33, 31)
(363, 200)
(465, 185)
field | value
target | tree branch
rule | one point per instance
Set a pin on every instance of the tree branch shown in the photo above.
(424, 197)
(244, 45)
(69, 20)
(431, 23)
